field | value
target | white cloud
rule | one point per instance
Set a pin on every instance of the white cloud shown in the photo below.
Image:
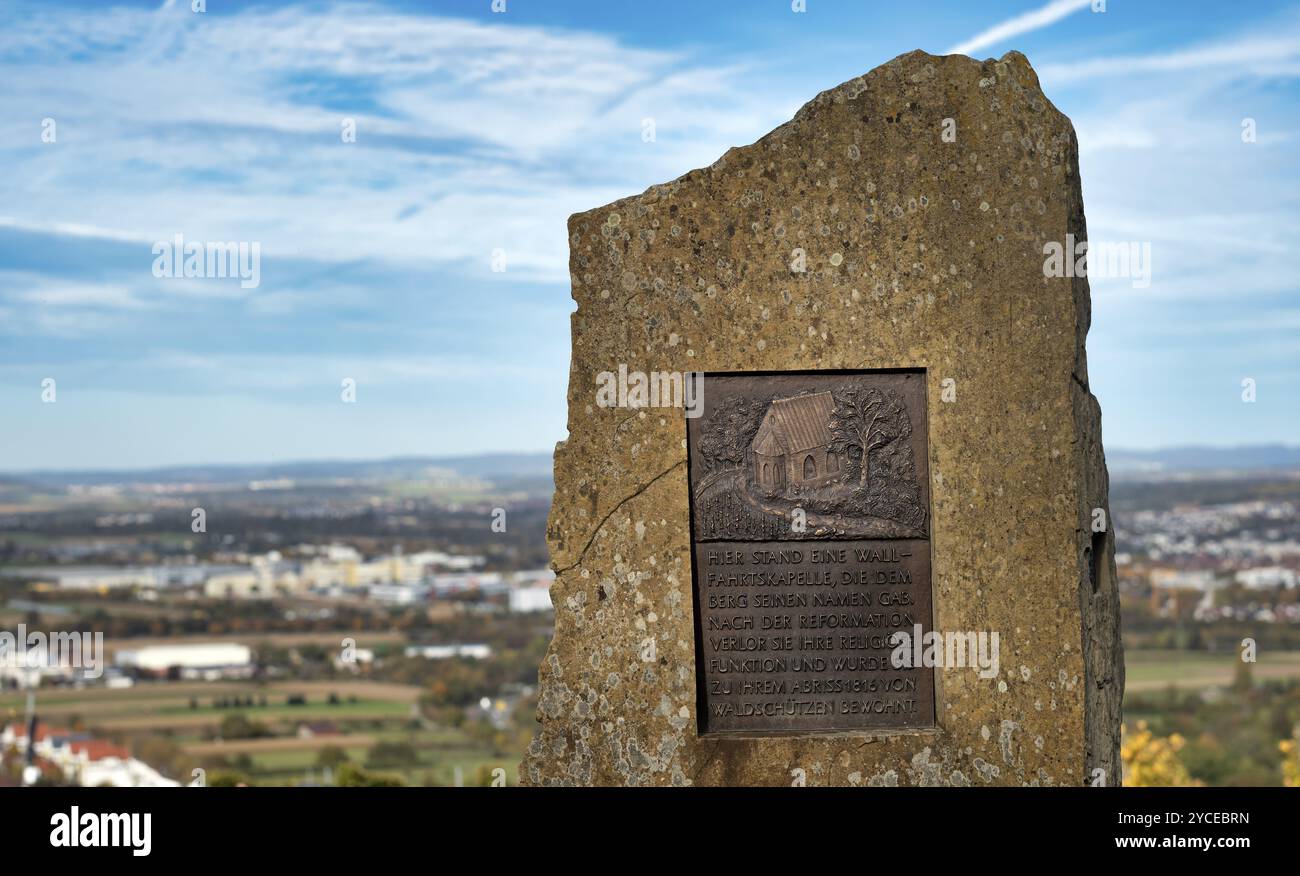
(1021, 24)
(266, 371)
(73, 229)
(1261, 55)
(102, 295)
(226, 127)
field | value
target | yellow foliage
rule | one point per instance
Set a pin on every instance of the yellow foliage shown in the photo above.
(1290, 763)
(1152, 761)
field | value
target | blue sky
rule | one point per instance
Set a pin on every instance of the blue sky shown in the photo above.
(479, 131)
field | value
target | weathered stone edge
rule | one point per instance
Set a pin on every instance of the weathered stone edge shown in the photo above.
(844, 90)
(1099, 612)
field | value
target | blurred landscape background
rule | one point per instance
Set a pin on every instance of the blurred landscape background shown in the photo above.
(359, 623)
(337, 623)
(404, 172)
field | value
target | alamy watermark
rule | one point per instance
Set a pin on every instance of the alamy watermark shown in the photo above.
(656, 389)
(1102, 259)
(951, 650)
(37, 650)
(176, 259)
(74, 828)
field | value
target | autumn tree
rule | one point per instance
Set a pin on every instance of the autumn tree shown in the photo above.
(350, 775)
(1290, 763)
(865, 419)
(730, 428)
(331, 756)
(1153, 761)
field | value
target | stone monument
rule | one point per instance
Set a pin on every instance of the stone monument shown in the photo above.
(833, 506)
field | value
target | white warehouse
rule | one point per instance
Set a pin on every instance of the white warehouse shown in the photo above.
(207, 661)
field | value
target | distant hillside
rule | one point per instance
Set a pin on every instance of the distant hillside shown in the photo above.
(490, 466)
(1123, 464)
(1202, 461)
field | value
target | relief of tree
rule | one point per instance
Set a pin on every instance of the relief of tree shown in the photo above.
(731, 427)
(865, 419)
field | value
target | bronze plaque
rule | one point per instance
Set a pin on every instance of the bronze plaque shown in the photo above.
(810, 522)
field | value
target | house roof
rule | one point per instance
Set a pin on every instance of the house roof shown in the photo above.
(43, 732)
(98, 749)
(795, 424)
(319, 728)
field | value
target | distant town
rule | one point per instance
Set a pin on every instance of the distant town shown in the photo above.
(380, 626)
(1214, 551)
(382, 623)
(334, 570)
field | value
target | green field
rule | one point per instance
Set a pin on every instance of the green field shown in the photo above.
(184, 714)
(1156, 670)
(437, 763)
(342, 710)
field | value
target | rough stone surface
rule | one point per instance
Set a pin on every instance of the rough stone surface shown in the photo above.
(920, 253)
